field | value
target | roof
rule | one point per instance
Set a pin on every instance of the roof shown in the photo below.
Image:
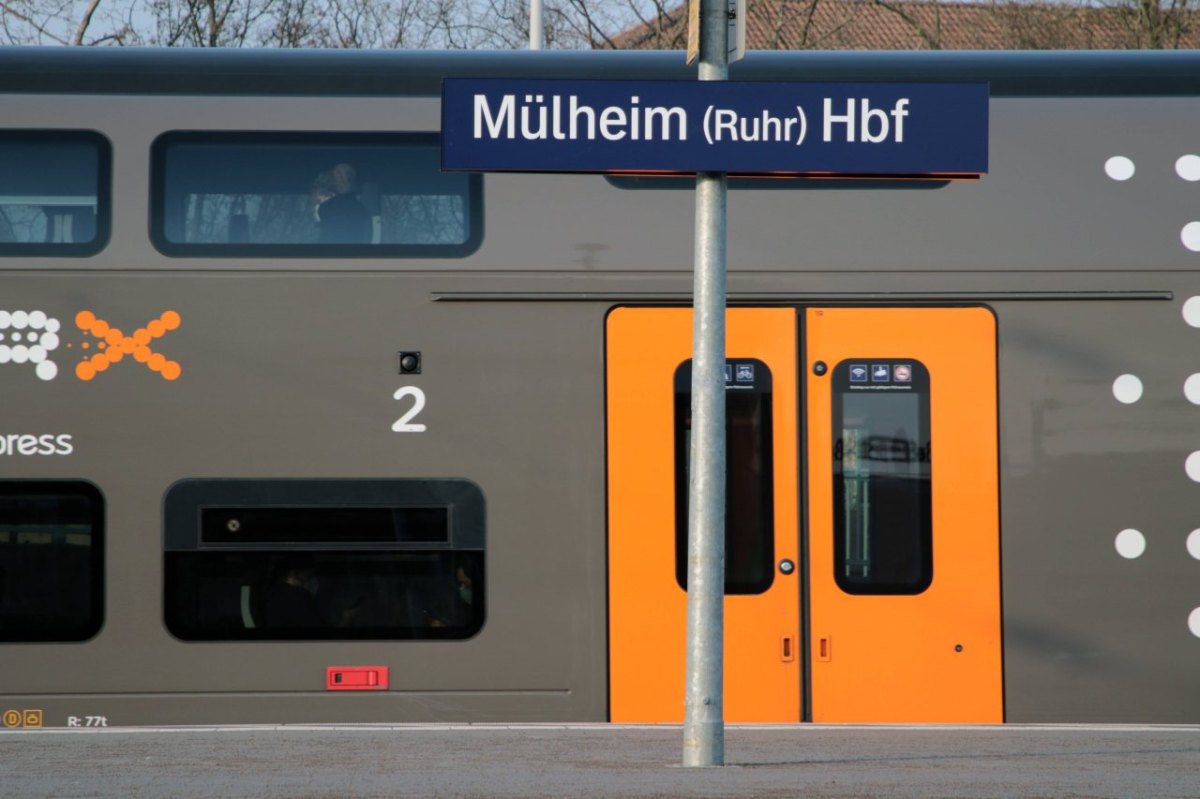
(389, 73)
(930, 25)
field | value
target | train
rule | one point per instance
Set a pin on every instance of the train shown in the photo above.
(297, 427)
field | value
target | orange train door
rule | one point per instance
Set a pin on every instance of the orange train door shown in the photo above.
(903, 515)
(648, 382)
(903, 595)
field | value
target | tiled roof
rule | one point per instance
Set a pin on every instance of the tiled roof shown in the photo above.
(921, 25)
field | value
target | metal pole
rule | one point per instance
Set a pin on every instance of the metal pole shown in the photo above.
(704, 719)
(536, 34)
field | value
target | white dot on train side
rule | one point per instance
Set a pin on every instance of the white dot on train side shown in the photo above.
(47, 370)
(37, 319)
(1130, 544)
(5, 353)
(1191, 388)
(52, 325)
(1188, 167)
(20, 320)
(20, 353)
(1190, 236)
(37, 354)
(1194, 622)
(5, 320)
(49, 341)
(1119, 168)
(1127, 389)
(1191, 311)
(16, 336)
(1193, 466)
(1193, 544)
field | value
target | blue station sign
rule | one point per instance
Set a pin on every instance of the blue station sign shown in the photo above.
(810, 129)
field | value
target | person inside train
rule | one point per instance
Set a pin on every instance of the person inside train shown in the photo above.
(341, 216)
(290, 601)
(453, 607)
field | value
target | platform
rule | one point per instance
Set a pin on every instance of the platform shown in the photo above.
(584, 761)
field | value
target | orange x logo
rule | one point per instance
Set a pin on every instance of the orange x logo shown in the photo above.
(115, 345)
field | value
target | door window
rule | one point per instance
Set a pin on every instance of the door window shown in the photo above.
(749, 505)
(882, 459)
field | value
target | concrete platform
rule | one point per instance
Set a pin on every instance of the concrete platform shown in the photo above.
(584, 761)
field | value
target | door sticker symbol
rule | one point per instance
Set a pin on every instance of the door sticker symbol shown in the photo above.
(858, 373)
(880, 373)
(902, 373)
(745, 373)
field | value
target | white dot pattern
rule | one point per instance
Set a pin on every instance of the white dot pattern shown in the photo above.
(1191, 311)
(1130, 544)
(1188, 167)
(1190, 236)
(1192, 466)
(1127, 389)
(1193, 544)
(1119, 168)
(1191, 388)
(32, 346)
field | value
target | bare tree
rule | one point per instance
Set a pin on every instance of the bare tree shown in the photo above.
(1159, 24)
(47, 22)
(607, 24)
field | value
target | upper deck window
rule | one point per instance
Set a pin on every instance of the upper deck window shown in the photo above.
(54, 188)
(311, 195)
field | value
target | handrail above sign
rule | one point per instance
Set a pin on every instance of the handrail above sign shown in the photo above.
(935, 130)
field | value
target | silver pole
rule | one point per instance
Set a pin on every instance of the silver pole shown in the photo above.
(704, 718)
(536, 33)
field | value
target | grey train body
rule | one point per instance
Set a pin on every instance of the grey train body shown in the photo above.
(289, 372)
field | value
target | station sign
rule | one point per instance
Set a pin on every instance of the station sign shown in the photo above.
(937, 130)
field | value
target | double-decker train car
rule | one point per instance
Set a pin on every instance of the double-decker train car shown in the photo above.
(297, 427)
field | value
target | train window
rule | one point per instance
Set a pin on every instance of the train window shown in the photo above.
(882, 471)
(749, 499)
(51, 560)
(54, 194)
(311, 195)
(324, 560)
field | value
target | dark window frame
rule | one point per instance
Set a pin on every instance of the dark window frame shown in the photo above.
(173, 249)
(80, 249)
(96, 616)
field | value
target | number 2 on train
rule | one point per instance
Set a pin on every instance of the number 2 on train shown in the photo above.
(405, 424)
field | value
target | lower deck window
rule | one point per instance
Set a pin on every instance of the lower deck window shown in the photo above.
(324, 560)
(324, 595)
(51, 560)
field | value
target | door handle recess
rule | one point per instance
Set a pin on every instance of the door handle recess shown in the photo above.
(787, 651)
